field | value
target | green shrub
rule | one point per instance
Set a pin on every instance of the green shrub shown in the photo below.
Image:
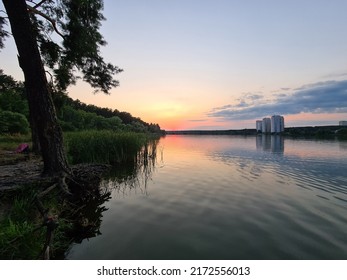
(11, 122)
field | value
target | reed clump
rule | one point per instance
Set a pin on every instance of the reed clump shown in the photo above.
(104, 146)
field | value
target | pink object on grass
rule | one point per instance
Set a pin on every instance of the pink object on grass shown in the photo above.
(22, 148)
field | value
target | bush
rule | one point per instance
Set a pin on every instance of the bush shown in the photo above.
(11, 122)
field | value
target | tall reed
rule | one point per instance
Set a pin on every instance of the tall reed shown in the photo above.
(103, 146)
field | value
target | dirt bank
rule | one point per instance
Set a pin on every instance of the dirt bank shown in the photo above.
(20, 170)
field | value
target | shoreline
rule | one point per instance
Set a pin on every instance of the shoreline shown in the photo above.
(288, 131)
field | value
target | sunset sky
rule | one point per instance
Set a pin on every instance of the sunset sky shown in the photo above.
(221, 64)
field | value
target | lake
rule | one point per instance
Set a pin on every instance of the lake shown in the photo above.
(227, 197)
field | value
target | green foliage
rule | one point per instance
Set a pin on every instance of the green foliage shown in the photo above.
(11, 122)
(73, 115)
(137, 127)
(13, 101)
(324, 134)
(16, 139)
(128, 122)
(103, 146)
(78, 23)
(12, 95)
(319, 132)
(6, 82)
(82, 43)
(82, 120)
(3, 33)
(20, 237)
(20, 240)
(342, 134)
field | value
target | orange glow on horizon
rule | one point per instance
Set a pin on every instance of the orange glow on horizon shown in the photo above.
(185, 113)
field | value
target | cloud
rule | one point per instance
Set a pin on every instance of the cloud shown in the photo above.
(246, 100)
(198, 120)
(336, 75)
(322, 97)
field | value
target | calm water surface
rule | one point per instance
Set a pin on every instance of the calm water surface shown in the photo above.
(227, 197)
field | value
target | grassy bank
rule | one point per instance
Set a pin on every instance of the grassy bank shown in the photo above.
(86, 146)
(23, 233)
(8, 145)
(11, 142)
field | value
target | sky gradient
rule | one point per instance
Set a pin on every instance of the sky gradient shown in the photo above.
(222, 64)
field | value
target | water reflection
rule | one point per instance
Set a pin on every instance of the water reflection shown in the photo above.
(133, 176)
(81, 219)
(87, 214)
(316, 166)
(270, 143)
(343, 145)
(225, 198)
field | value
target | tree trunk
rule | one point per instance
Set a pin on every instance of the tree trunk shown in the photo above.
(34, 137)
(40, 101)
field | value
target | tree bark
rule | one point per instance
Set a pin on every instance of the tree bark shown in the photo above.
(40, 101)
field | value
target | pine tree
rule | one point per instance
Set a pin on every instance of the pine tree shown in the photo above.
(77, 22)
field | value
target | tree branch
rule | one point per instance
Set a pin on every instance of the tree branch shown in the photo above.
(52, 21)
(40, 3)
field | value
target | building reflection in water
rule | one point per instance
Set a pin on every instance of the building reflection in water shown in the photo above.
(270, 143)
(343, 145)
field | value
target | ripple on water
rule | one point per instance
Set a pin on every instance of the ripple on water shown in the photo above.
(230, 201)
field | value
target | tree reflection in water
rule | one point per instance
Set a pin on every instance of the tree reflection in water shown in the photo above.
(133, 175)
(86, 212)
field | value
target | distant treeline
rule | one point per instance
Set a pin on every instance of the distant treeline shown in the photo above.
(213, 132)
(329, 131)
(76, 115)
(73, 115)
(296, 132)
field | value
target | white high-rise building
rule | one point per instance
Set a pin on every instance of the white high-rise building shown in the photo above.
(258, 125)
(266, 125)
(277, 124)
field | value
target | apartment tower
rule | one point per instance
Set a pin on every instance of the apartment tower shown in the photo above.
(277, 124)
(266, 125)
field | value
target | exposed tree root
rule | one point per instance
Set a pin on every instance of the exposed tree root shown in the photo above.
(25, 173)
(75, 187)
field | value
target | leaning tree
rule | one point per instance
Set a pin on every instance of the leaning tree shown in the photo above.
(76, 24)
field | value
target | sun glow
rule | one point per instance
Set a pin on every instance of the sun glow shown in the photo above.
(169, 115)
